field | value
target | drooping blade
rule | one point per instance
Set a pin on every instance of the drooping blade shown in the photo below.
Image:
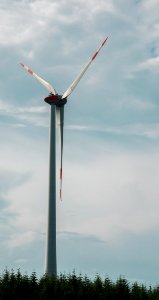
(41, 80)
(60, 125)
(76, 81)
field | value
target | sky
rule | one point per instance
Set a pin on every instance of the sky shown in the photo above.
(108, 221)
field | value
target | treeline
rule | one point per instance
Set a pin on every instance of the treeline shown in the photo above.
(15, 286)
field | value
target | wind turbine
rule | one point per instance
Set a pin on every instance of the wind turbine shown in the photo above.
(57, 103)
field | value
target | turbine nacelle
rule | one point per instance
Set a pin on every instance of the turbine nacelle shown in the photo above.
(55, 100)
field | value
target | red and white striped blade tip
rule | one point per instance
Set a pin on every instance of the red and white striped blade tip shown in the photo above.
(96, 53)
(29, 70)
(61, 184)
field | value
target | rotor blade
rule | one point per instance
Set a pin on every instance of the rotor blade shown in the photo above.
(41, 80)
(76, 81)
(60, 125)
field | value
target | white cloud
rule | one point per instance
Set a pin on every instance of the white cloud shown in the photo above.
(150, 131)
(7, 108)
(105, 196)
(20, 239)
(32, 109)
(97, 7)
(108, 197)
(150, 4)
(33, 114)
(112, 196)
(21, 261)
(149, 64)
(25, 198)
(28, 21)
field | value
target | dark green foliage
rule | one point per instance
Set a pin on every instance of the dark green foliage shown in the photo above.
(122, 289)
(15, 286)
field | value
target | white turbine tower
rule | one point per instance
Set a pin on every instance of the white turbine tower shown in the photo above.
(57, 103)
